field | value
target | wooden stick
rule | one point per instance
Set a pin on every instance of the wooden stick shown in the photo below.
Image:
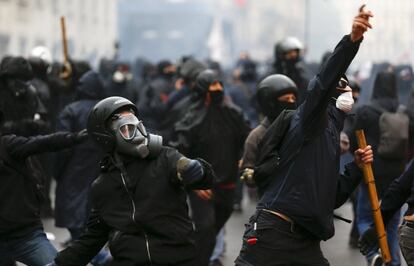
(64, 39)
(373, 197)
(67, 68)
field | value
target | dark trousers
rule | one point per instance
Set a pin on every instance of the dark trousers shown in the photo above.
(209, 217)
(278, 243)
(406, 241)
(238, 197)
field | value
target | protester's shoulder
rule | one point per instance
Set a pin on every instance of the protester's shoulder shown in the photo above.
(365, 111)
(256, 134)
(235, 110)
(231, 105)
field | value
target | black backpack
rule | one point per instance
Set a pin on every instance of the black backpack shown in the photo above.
(268, 160)
(394, 133)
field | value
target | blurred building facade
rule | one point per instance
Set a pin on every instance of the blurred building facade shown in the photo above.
(91, 27)
(217, 29)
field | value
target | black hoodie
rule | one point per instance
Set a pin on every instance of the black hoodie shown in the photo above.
(212, 131)
(367, 118)
(18, 100)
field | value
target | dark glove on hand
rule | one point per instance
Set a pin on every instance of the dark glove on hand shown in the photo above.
(368, 241)
(81, 136)
(189, 170)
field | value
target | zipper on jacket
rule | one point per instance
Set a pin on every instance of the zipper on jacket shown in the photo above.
(130, 197)
(133, 218)
(148, 248)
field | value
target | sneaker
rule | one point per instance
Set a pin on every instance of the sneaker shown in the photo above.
(376, 260)
(353, 242)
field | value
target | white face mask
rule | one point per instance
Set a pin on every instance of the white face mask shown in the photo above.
(345, 102)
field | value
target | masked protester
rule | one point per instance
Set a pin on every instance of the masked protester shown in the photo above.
(122, 83)
(18, 98)
(155, 95)
(303, 184)
(181, 99)
(398, 193)
(243, 88)
(385, 169)
(289, 61)
(138, 202)
(77, 168)
(22, 191)
(275, 94)
(214, 130)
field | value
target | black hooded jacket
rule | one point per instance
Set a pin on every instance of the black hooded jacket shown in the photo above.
(142, 211)
(367, 118)
(22, 188)
(297, 71)
(214, 131)
(180, 101)
(307, 186)
(78, 167)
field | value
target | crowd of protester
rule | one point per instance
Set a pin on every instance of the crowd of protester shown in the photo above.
(212, 122)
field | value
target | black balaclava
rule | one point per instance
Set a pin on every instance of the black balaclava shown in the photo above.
(203, 82)
(160, 69)
(270, 89)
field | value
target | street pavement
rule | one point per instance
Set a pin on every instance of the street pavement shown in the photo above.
(336, 250)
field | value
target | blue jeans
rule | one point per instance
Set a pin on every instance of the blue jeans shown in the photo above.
(365, 220)
(219, 248)
(33, 249)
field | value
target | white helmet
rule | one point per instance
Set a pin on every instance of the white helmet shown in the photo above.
(43, 53)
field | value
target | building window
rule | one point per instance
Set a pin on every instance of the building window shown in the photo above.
(4, 45)
(22, 45)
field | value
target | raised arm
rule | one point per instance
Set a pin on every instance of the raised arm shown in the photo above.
(323, 85)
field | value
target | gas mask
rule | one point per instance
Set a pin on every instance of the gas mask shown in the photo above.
(133, 139)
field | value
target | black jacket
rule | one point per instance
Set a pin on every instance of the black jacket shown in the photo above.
(78, 167)
(143, 214)
(216, 134)
(400, 191)
(22, 184)
(306, 183)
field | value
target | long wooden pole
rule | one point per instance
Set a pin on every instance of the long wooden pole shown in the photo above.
(373, 197)
(67, 68)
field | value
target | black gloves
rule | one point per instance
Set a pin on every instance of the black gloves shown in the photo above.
(368, 240)
(189, 170)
